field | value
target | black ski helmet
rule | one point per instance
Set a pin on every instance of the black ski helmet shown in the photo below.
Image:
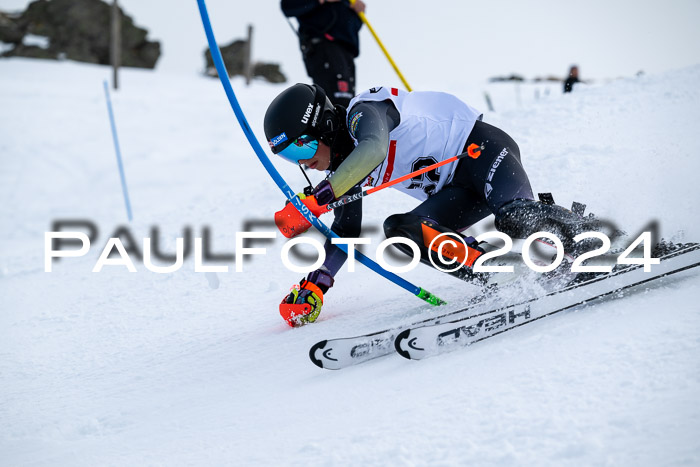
(302, 109)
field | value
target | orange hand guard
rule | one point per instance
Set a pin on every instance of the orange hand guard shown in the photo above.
(291, 222)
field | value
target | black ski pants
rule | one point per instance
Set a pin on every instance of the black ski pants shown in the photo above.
(482, 184)
(331, 65)
(491, 177)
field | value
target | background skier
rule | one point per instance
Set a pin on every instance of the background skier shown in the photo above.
(329, 42)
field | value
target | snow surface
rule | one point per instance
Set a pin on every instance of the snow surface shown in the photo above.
(119, 368)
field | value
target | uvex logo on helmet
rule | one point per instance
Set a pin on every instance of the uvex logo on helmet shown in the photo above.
(307, 113)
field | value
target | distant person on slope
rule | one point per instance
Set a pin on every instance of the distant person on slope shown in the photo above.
(329, 42)
(572, 79)
(388, 133)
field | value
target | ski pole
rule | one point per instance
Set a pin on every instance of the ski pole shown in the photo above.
(272, 171)
(381, 46)
(471, 151)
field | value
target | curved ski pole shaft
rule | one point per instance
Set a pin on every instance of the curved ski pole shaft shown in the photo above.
(265, 161)
(381, 46)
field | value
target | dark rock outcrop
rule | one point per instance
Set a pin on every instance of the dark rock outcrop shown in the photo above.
(10, 31)
(270, 72)
(234, 56)
(234, 59)
(76, 30)
(500, 79)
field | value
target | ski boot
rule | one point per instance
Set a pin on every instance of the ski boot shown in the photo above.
(440, 248)
(523, 217)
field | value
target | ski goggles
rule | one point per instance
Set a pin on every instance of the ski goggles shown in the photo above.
(304, 147)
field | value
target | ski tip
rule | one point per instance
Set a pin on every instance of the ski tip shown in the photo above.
(312, 353)
(402, 336)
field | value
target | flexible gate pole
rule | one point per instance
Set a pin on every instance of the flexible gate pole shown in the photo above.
(289, 193)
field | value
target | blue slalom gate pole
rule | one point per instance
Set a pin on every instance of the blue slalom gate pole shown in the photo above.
(293, 198)
(118, 151)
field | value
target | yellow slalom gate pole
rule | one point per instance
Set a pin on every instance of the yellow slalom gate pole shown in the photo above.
(381, 46)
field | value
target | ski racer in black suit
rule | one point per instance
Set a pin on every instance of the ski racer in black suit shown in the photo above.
(388, 133)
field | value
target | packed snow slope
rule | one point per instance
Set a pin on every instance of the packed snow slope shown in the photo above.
(120, 368)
